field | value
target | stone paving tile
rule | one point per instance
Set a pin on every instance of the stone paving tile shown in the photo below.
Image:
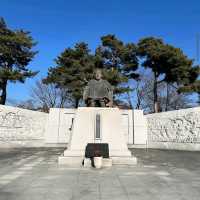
(33, 174)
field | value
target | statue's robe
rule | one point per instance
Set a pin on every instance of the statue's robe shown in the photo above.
(98, 89)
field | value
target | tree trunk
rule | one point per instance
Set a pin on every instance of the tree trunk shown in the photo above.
(199, 98)
(129, 100)
(76, 103)
(167, 98)
(4, 92)
(155, 86)
(138, 94)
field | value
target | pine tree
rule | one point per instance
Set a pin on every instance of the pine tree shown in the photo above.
(15, 54)
(168, 64)
(74, 67)
(192, 88)
(118, 60)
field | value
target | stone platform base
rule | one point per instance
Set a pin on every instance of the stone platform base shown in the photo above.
(107, 162)
(76, 161)
(124, 160)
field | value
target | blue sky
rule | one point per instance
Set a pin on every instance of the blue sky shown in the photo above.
(57, 24)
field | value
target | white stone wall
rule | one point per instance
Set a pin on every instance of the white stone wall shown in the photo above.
(18, 124)
(178, 129)
(180, 126)
(139, 128)
(59, 126)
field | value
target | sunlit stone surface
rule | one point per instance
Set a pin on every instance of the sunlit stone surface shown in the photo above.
(158, 175)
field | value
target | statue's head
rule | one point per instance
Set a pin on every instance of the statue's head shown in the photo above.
(98, 74)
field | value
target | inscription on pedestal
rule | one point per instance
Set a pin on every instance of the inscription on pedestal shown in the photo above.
(98, 127)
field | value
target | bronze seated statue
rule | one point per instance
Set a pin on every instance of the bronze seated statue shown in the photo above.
(98, 92)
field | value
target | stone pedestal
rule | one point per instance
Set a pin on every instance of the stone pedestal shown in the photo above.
(84, 131)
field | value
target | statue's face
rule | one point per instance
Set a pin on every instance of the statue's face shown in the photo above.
(98, 75)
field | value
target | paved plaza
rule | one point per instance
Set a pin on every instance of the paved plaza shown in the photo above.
(33, 174)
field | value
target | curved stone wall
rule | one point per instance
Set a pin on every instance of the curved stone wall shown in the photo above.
(178, 129)
(18, 124)
(180, 126)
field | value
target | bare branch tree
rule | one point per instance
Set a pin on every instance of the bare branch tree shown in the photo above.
(28, 104)
(49, 96)
(168, 97)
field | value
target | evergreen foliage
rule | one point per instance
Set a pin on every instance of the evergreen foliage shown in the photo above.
(168, 64)
(15, 54)
(74, 68)
(118, 60)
